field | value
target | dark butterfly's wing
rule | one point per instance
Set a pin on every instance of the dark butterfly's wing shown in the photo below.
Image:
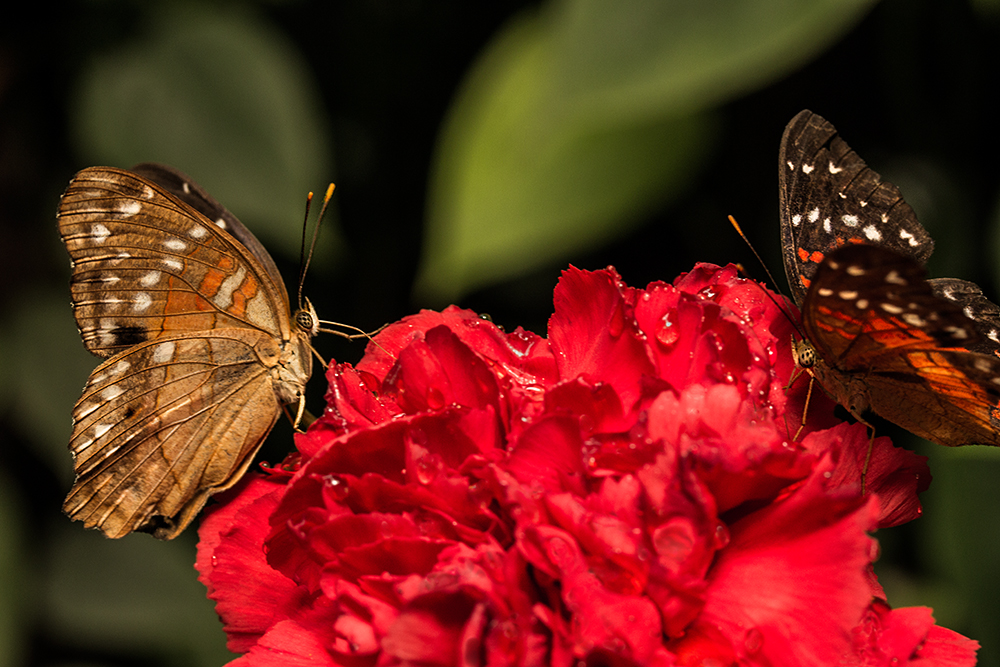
(977, 308)
(866, 302)
(145, 265)
(829, 197)
(876, 321)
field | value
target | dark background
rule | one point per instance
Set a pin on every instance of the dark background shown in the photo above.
(910, 86)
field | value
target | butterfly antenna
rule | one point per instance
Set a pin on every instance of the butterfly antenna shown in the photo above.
(306, 257)
(783, 307)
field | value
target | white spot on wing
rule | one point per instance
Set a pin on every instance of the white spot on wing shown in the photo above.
(150, 279)
(872, 233)
(834, 169)
(894, 278)
(891, 308)
(807, 168)
(221, 224)
(142, 302)
(197, 232)
(129, 207)
(118, 368)
(813, 215)
(850, 220)
(958, 333)
(112, 392)
(173, 264)
(99, 233)
(175, 244)
(164, 352)
(85, 410)
(855, 270)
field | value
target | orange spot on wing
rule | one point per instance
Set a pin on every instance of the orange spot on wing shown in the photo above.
(247, 290)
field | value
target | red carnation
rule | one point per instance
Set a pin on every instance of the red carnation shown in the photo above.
(625, 491)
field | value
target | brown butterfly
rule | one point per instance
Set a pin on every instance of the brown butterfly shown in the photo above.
(202, 348)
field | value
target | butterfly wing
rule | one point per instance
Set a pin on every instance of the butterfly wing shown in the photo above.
(829, 197)
(181, 186)
(884, 334)
(146, 265)
(946, 396)
(977, 308)
(145, 416)
(201, 342)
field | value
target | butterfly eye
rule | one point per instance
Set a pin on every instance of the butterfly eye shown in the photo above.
(306, 319)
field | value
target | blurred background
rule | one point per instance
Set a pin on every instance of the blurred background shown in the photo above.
(478, 148)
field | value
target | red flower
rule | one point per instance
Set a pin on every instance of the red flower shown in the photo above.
(623, 492)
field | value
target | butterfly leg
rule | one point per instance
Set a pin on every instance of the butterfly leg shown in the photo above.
(342, 330)
(868, 456)
(805, 406)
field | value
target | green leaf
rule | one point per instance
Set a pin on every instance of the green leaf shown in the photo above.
(580, 118)
(218, 93)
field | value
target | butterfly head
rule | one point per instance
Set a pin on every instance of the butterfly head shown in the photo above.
(804, 353)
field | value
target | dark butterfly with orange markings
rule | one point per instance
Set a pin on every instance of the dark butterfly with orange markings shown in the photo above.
(879, 336)
(202, 349)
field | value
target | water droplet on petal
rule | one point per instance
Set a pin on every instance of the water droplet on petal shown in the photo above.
(666, 332)
(435, 399)
(721, 536)
(753, 641)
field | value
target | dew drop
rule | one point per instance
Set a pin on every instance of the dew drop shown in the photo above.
(617, 324)
(435, 399)
(721, 536)
(666, 332)
(753, 641)
(426, 468)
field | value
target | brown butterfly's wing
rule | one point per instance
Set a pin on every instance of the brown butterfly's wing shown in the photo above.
(828, 198)
(165, 424)
(889, 344)
(148, 269)
(145, 264)
(181, 186)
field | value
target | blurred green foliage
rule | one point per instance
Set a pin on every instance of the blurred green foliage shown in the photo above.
(477, 150)
(581, 117)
